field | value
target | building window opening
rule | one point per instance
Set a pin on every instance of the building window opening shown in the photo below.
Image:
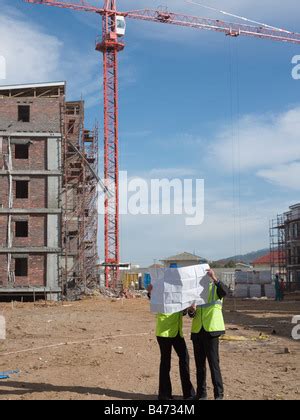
(21, 229)
(21, 267)
(22, 188)
(24, 113)
(21, 151)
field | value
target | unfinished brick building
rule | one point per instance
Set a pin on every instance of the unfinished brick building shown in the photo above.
(48, 224)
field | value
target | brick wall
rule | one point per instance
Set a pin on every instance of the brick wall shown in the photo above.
(36, 231)
(36, 271)
(44, 114)
(3, 270)
(37, 194)
(3, 152)
(3, 230)
(36, 156)
(4, 191)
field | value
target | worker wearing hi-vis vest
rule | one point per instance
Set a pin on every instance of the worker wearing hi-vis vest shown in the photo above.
(208, 326)
(170, 335)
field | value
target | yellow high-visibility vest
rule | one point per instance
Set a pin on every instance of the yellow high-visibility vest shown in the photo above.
(169, 325)
(209, 316)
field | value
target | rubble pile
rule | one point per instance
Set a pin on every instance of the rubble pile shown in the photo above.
(123, 294)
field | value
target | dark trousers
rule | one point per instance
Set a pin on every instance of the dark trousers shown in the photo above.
(206, 347)
(165, 386)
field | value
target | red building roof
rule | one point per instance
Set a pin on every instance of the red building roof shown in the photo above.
(269, 258)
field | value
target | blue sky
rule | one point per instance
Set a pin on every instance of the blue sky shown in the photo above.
(191, 102)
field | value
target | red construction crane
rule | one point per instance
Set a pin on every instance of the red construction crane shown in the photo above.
(113, 30)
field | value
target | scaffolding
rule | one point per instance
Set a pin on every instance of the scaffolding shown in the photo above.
(292, 223)
(79, 201)
(285, 247)
(278, 246)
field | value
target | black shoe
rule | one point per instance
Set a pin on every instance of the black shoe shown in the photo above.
(162, 398)
(202, 397)
(220, 398)
(191, 396)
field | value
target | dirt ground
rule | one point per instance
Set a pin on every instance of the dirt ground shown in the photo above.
(103, 348)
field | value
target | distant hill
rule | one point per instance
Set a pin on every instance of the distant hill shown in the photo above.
(246, 258)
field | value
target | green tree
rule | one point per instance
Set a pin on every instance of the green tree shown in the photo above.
(216, 264)
(230, 264)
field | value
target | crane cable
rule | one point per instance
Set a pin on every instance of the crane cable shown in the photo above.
(235, 145)
(230, 75)
(234, 85)
(238, 148)
(239, 17)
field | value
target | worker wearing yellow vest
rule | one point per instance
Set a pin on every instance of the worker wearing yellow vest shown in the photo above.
(170, 335)
(208, 326)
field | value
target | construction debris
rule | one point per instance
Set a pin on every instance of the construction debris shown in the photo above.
(261, 337)
(80, 292)
(7, 374)
(118, 350)
(123, 294)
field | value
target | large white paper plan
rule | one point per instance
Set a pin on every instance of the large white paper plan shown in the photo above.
(176, 289)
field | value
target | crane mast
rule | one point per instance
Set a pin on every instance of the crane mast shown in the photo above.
(110, 46)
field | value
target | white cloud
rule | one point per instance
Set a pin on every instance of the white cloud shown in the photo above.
(287, 176)
(267, 145)
(262, 142)
(31, 55)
